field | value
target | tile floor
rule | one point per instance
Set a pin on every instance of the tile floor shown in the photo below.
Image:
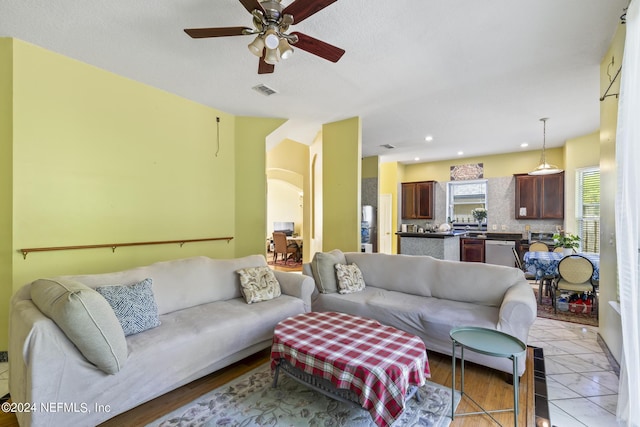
(582, 385)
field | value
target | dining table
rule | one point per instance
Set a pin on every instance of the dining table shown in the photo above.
(545, 264)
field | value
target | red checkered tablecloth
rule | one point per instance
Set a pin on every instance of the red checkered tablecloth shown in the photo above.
(376, 362)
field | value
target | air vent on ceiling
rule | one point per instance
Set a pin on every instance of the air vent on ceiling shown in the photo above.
(264, 89)
(388, 146)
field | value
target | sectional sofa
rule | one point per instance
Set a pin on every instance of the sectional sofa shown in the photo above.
(69, 356)
(428, 297)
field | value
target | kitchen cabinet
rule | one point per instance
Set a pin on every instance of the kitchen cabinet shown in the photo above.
(472, 250)
(539, 196)
(418, 199)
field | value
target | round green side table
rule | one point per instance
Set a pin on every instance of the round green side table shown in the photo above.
(492, 343)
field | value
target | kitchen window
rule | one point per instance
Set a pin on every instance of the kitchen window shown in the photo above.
(463, 197)
(588, 208)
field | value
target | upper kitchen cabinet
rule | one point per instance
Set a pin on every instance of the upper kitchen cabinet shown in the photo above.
(539, 196)
(418, 199)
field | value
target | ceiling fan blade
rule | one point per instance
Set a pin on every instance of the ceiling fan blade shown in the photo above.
(199, 33)
(318, 47)
(302, 9)
(251, 5)
(263, 67)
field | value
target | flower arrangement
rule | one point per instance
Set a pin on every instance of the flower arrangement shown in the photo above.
(566, 240)
(479, 214)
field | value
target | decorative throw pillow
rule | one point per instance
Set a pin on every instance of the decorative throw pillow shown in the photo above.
(324, 271)
(258, 284)
(349, 278)
(134, 306)
(85, 318)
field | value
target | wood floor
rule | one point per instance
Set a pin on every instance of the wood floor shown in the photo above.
(487, 387)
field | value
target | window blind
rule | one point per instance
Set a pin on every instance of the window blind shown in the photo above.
(588, 208)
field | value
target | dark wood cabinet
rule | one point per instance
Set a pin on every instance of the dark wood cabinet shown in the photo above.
(408, 200)
(418, 199)
(539, 196)
(472, 250)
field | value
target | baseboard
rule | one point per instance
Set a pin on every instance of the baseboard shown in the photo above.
(541, 397)
(612, 360)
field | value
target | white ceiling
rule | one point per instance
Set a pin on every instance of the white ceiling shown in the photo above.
(475, 74)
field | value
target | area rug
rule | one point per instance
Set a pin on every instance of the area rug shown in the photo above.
(250, 400)
(288, 264)
(546, 310)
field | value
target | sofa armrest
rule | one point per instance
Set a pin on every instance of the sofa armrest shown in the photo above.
(40, 354)
(518, 311)
(296, 285)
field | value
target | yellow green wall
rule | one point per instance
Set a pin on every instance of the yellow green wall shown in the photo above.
(341, 171)
(251, 183)
(609, 326)
(497, 165)
(6, 182)
(579, 153)
(96, 158)
(370, 167)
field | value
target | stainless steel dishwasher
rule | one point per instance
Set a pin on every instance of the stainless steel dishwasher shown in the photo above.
(499, 252)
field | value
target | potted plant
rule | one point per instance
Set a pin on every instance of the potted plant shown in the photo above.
(479, 214)
(567, 241)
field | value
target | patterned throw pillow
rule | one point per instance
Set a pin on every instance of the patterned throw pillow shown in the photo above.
(349, 278)
(258, 284)
(134, 305)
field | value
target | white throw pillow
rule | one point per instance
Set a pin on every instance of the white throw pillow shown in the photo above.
(349, 278)
(86, 318)
(258, 284)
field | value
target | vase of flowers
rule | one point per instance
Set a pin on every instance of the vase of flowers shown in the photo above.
(479, 214)
(567, 241)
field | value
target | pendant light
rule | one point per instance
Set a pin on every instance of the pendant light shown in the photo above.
(544, 168)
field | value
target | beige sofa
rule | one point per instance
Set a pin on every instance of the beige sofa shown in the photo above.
(428, 297)
(205, 324)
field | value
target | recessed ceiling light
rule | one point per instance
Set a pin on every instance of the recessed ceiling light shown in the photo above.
(428, 138)
(524, 144)
(416, 158)
(460, 153)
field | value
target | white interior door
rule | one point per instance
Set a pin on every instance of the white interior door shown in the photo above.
(385, 232)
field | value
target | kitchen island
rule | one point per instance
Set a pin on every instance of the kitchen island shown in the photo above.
(441, 245)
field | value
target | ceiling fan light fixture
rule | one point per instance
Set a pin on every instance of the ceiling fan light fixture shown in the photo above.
(545, 168)
(285, 49)
(271, 39)
(272, 57)
(257, 46)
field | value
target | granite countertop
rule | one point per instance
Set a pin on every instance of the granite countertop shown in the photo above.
(465, 234)
(433, 234)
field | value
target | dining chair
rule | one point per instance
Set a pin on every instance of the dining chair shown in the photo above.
(281, 246)
(527, 275)
(575, 274)
(545, 281)
(538, 247)
(558, 249)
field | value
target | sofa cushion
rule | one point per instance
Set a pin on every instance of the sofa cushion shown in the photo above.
(402, 273)
(258, 284)
(86, 318)
(134, 306)
(182, 283)
(349, 278)
(324, 272)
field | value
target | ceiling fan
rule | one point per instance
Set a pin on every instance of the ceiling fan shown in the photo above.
(271, 24)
